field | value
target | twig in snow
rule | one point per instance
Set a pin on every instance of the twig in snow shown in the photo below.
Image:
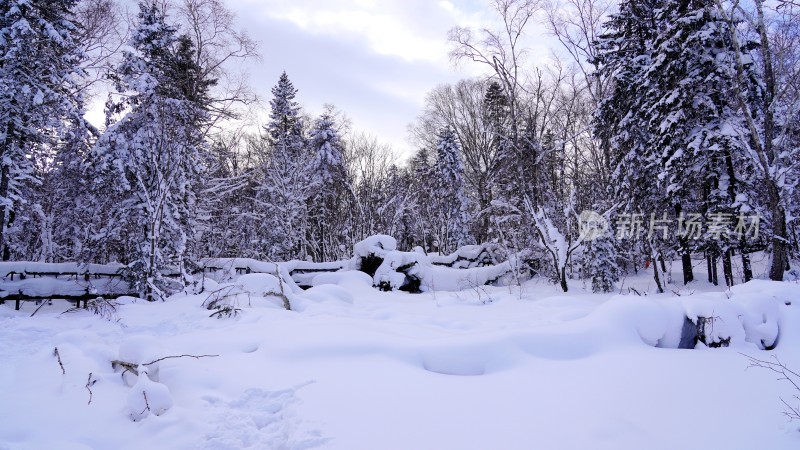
(44, 302)
(179, 356)
(58, 357)
(786, 374)
(146, 404)
(89, 383)
(131, 367)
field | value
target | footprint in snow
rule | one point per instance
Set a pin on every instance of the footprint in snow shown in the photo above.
(260, 419)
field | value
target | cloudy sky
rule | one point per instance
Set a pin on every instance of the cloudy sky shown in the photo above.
(373, 59)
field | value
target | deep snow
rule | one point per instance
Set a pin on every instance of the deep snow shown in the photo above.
(355, 368)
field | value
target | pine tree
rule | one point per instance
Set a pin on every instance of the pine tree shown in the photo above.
(601, 263)
(421, 176)
(452, 205)
(285, 188)
(331, 192)
(671, 120)
(495, 105)
(148, 164)
(694, 119)
(625, 52)
(40, 103)
(285, 128)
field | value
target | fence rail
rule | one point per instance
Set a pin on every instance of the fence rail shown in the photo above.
(32, 281)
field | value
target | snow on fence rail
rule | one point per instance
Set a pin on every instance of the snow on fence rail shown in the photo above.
(300, 272)
(24, 281)
(468, 267)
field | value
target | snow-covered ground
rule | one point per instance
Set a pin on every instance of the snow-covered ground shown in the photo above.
(355, 368)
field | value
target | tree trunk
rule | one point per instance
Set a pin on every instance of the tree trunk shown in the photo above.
(657, 278)
(779, 235)
(5, 178)
(151, 264)
(727, 268)
(686, 263)
(564, 279)
(709, 268)
(747, 269)
(685, 252)
(654, 257)
(779, 239)
(714, 273)
(4, 181)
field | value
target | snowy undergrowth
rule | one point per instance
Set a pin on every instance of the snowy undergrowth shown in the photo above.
(352, 367)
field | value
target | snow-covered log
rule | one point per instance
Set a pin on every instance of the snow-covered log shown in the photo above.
(416, 272)
(468, 256)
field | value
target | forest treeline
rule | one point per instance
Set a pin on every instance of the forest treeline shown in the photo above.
(674, 125)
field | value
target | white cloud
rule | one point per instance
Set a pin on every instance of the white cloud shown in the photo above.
(413, 30)
(447, 5)
(374, 59)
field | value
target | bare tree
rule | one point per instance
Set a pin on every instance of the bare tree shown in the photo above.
(220, 46)
(501, 50)
(369, 162)
(462, 107)
(577, 24)
(768, 127)
(103, 30)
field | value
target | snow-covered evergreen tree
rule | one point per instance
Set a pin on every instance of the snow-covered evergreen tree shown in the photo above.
(671, 121)
(625, 52)
(695, 123)
(287, 181)
(148, 164)
(600, 262)
(421, 179)
(40, 103)
(452, 207)
(331, 193)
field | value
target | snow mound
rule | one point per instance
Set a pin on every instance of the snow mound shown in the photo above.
(147, 397)
(260, 284)
(349, 278)
(327, 293)
(376, 245)
(138, 350)
(703, 320)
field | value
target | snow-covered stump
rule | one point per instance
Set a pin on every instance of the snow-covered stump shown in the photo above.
(370, 253)
(725, 323)
(701, 331)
